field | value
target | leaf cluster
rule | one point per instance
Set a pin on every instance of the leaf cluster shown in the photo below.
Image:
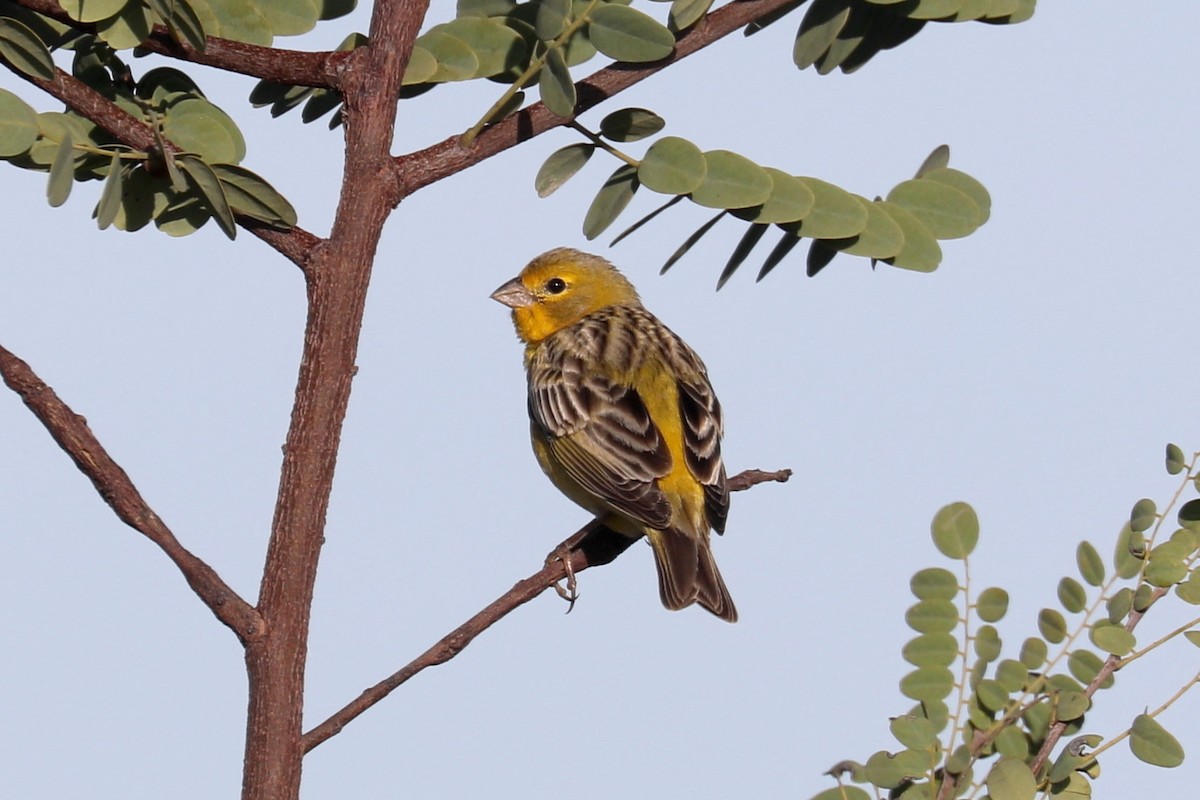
(983, 720)
(179, 186)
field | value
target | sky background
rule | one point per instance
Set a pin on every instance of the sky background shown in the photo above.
(1037, 374)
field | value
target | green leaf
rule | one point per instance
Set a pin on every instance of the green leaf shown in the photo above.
(183, 216)
(1052, 626)
(1012, 742)
(1167, 564)
(1189, 514)
(1033, 652)
(939, 158)
(140, 194)
(992, 604)
(1113, 639)
(836, 214)
(987, 643)
(932, 616)
(921, 251)
(184, 23)
(1176, 463)
(790, 200)
(205, 181)
(913, 732)
(931, 650)
(749, 239)
(626, 34)
(1010, 779)
(610, 201)
(690, 242)
(197, 126)
(250, 195)
(290, 17)
(242, 21)
(785, 245)
(455, 59)
(934, 583)
(1143, 515)
(1069, 705)
(320, 103)
(1129, 553)
(822, 23)
(1085, 665)
(965, 184)
(955, 530)
(1189, 590)
(1151, 743)
(129, 28)
(731, 181)
(686, 13)
(555, 84)
(422, 66)
(18, 125)
(631, 124)
(1091, 565)
(991, 695)
(25, 50)
(672, 166)
(551, 19)
(561, 166)
(1119, 604)
(1193, 637)
(880, 238)
(62, 172)
(944, 210)
(110, 195)
(1072, 595)
(496, 47)
(842, 793)
(91, 10)
(1012, 674)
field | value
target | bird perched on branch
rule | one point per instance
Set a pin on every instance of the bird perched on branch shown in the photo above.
(623, 418)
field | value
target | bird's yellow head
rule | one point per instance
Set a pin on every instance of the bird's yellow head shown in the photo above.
(561, 287)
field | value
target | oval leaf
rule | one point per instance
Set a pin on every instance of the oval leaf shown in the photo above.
(731, 181)
(631, 124)
(1091, 565)
(626, 34)
(955, 530)
(62, 172)
(992, 604)
(561, 166)
(672, 166)
(25, 50)
(18, 125)
(921, 251)
(1151, 743)
(944, 210)
(836, 214)
(610, 201)
(555, 84)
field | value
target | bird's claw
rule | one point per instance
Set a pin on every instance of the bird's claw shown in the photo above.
(570, 593)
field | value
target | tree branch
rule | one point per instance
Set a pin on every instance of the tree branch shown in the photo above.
(269, 63)
(73, 435)
(418, 169)
(295, 244)
(591, 546)
(338, 278)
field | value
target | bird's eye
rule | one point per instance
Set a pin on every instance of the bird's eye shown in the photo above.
(556, 286)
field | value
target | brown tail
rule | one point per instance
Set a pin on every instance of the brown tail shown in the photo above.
(688, 574)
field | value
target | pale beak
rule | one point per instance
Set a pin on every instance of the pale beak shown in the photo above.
(513, 294)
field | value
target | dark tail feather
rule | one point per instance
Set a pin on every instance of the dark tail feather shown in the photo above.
(687, 574)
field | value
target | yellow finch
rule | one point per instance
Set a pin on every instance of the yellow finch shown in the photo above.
(623, 418)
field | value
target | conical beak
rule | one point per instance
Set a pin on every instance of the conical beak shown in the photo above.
(513, 294)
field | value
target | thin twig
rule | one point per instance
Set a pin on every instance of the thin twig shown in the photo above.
(453, 643)
(318, 69)
(73, 435)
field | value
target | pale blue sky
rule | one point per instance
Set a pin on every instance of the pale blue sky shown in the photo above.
(1037, 374)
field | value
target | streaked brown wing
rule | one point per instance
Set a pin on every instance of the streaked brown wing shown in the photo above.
(603, 436)
(702, 429)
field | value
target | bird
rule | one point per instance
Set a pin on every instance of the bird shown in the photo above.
(623, 418)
